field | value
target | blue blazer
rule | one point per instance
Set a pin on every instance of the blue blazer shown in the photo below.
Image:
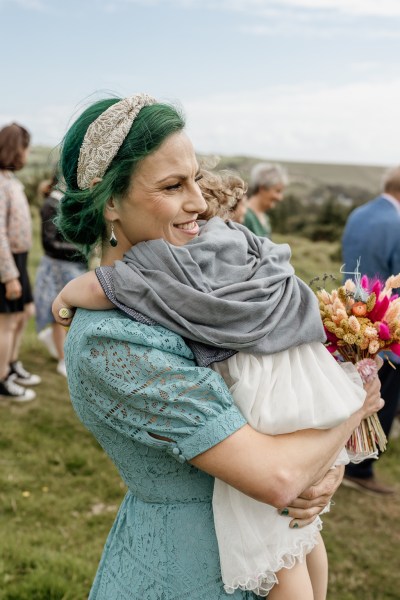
(372, 233)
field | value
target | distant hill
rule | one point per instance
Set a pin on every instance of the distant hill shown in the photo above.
(307, 177)
(309, 182)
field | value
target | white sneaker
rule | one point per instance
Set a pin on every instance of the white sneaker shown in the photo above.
(46, 337)
(12, 391)
(61, 369)
(21, 376)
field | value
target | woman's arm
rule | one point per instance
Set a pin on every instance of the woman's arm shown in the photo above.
(277, 469)
(84, 291)
(187, 411)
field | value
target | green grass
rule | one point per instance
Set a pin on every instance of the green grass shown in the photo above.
(59, 493)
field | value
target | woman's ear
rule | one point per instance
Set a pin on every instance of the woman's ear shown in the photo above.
(110, 210)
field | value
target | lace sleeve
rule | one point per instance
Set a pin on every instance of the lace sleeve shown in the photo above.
(141, 380)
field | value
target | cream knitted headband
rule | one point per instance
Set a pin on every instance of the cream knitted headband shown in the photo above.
(105, 136)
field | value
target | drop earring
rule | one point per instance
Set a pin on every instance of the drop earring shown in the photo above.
(113, 240)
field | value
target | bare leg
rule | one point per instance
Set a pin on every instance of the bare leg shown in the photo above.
(317, 564)
(59, 334)
(22, 320)
(8, 327)
(293, 584)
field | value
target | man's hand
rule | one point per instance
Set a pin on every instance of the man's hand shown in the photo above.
(314, 499)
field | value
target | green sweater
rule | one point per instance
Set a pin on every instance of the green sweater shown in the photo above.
(252, 222)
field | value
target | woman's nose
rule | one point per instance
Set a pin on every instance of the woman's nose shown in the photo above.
(194, 201)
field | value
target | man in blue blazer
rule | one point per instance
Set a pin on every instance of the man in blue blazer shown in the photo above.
(372, 234)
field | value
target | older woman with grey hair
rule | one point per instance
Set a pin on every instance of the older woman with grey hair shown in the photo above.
(266, 188)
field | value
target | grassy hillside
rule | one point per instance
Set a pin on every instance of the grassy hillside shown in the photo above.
(319, 173)
(308, 176)
(304, 177)
(59, 493)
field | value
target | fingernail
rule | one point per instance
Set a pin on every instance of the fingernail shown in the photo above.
(295, 525)
(284, 511)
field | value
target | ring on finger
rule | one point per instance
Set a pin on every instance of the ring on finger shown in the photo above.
(65, 313)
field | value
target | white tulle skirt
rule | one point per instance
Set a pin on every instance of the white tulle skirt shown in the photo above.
(300, 388)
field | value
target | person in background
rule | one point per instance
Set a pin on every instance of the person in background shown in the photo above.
(61, 263)
(15, 242)
(266, 189)
(372, 236)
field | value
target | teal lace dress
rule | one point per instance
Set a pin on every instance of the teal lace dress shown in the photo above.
(129, 382)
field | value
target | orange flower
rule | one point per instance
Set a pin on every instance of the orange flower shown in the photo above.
(359, 309)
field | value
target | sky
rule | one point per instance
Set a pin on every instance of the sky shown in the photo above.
(296, 80)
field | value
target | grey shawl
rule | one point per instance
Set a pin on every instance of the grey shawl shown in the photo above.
(226, 288)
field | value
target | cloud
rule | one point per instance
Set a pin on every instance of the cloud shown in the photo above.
(365, 66)
(307, 18)
(351, 123)
(354, 123)
(37, 5)
(383, 8)
(314, 29)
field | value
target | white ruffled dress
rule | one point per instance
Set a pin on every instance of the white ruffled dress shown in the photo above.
(299, 388)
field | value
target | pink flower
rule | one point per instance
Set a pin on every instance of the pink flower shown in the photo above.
(373, 347)
(376, 287)
(384, 331)
(331, 348)
(395, 348)
(365, 282)
(367, 369)
(378, 312)
(354, 324)
(331, 337)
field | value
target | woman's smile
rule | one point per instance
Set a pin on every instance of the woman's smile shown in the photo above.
(191, 228)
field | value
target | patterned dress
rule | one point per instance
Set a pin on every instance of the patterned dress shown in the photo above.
(129, 382)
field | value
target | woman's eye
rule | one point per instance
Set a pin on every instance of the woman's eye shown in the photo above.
(176, 186)
(198, 178)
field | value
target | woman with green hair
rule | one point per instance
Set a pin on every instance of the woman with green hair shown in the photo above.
(167, 421)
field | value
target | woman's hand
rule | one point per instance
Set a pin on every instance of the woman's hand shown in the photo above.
(13, 289)
(314, 499)
(84, 291)
(66, 310)
(373, 401)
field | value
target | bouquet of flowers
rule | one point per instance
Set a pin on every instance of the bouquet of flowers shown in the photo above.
(361, 319)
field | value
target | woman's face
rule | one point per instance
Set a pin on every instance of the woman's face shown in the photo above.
(164, 199)
(272, 196)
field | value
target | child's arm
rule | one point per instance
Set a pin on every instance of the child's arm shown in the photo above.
(84, 291)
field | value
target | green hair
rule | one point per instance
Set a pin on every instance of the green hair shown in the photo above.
(81, 213)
